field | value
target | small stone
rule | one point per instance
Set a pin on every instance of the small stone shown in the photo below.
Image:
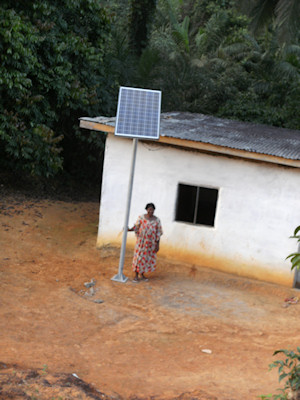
(98, 301)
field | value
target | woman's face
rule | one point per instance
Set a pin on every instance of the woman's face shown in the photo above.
(150, 211)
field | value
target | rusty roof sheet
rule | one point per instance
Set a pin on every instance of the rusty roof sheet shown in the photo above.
(255, 138)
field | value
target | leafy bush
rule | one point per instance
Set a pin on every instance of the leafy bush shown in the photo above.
(288, 369)
(295, 257)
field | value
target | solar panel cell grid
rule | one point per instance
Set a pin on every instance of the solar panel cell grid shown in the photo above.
(138, 113)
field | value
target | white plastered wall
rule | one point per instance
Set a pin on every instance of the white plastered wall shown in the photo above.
(258, 207)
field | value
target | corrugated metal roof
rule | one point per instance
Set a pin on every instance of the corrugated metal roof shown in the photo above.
(245, 136)
(255, 138)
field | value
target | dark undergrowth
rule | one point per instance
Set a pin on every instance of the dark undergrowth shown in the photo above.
(63, 187)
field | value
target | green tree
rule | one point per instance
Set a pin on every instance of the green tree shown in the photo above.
(212, 64)
(192, 69)
(141, 14)
(271, 89)
(284, 14)
(52, 71)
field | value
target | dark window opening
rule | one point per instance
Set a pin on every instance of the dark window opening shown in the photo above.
(196, 204)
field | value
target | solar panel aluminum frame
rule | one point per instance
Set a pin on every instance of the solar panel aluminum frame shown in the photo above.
(138, 113)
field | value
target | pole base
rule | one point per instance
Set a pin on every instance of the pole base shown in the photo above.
(120, 278)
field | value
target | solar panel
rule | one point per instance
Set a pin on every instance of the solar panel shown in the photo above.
(138, 113)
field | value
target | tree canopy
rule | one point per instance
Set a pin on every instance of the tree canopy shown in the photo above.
(51, 72)
(63, 60)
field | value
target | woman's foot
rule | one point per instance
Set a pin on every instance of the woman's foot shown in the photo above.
(143, 278)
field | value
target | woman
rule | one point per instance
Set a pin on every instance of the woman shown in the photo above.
(148, 231)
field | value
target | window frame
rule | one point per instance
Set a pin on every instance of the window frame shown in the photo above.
(196, 207)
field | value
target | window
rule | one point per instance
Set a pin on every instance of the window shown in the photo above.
(196, 204)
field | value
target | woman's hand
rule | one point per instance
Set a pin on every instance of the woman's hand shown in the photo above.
(156, 247)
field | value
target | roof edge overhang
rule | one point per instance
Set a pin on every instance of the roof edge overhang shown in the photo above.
(200, 146)
(96, 126)
(212, 148)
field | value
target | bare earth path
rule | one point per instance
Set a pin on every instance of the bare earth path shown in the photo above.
(142, 340)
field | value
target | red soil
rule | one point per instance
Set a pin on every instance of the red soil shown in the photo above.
(144, 340)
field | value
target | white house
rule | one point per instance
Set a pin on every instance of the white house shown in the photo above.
(227, 192)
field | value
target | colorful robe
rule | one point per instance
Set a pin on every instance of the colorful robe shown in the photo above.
(148, 233)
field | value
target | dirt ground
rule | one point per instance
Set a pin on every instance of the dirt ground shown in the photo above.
(188, 333)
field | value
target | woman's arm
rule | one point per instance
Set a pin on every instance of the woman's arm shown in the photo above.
(135, 227)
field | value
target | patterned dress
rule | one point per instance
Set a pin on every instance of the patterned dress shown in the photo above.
(148, 232)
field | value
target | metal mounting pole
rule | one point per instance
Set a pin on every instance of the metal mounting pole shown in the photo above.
(120, 277)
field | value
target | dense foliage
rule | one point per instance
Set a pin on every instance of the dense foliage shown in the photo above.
(63, 60)
(51, 72)
(205, 59)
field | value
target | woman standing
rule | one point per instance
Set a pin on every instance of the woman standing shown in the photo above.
(148, 231)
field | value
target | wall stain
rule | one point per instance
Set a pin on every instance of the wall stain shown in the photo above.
(191, 260)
